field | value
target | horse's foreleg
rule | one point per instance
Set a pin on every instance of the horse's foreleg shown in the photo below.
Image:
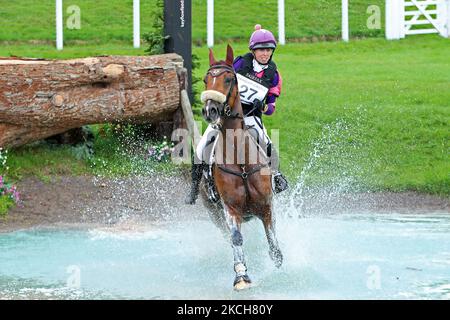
(274, 248)
(234, 221)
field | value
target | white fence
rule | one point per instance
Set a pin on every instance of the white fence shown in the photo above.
(59, 24)
(281, 22)
(402, 18)
(408, 17)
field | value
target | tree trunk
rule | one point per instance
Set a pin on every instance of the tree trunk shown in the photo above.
(41, 98)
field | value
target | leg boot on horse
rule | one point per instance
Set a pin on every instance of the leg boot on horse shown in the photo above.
(241, 280)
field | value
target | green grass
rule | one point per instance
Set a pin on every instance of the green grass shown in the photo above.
(375, 111)
(101, 20)
(114, 156)
(43, 161)
(6, 203)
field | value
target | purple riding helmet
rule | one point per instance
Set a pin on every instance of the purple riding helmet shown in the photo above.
(262, 38)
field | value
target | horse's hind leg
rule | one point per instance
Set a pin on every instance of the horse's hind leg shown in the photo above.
(234, 220)
(274, 248)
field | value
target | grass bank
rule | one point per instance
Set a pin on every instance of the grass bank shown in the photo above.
(368, 113)
(111, 20)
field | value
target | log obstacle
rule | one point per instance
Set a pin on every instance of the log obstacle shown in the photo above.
(41, 98)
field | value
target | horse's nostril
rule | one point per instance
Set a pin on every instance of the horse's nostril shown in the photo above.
(213, 112)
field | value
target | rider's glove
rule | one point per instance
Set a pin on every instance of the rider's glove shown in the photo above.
(259, 105)
(270, 108)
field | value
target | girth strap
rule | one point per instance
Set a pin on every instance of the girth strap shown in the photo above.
(244, 175)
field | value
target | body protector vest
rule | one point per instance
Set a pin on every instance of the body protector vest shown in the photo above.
(251, 87)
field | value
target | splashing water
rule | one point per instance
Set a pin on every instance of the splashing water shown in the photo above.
(333, 165)
(348, 256)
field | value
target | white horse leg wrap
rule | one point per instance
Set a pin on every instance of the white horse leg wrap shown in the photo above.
(240, 268)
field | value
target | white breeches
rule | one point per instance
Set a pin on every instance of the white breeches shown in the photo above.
(253, 123)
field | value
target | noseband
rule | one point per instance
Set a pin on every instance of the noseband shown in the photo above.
(216, 71)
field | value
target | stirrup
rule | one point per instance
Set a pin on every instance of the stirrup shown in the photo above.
(280, 182)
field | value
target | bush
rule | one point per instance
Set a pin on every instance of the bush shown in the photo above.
(9, 196)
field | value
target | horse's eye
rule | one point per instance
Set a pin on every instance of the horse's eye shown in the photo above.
(205, 79)
(227, 80)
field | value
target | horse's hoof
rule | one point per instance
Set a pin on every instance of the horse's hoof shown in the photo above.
(242, 282)
(241, 285)
(277, 257)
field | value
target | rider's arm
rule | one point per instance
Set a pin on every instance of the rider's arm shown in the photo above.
(274, 93)
(238, 62)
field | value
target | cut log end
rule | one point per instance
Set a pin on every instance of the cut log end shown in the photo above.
(113, 70)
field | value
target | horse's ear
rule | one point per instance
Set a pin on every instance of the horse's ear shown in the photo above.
(212, 61)
(230, 55)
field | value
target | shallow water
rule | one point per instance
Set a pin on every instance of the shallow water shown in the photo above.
(341, 256)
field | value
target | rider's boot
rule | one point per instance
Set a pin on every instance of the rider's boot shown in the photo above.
(280, 181)
(197, 172)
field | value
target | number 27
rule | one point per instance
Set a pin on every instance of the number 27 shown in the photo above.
(244, 89)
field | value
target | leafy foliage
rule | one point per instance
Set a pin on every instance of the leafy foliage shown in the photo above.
(155, 39)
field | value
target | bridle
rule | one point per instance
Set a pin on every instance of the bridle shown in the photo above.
(214, 71)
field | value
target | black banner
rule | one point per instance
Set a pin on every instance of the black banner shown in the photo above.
(178, 26)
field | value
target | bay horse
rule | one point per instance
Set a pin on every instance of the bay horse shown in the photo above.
(245, 188)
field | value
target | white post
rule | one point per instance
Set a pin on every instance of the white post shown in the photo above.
(210, 23)
(59, 24)
(345, 33)
(443, 9)
(136, 24)
(395, 19)
(281, 35)
(391, 18)
(448, 18)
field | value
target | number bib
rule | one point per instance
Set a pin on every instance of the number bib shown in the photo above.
(250, 90)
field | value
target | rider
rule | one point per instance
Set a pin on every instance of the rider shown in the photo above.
(262, 85)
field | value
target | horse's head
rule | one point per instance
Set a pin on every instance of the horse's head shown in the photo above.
(220, 88)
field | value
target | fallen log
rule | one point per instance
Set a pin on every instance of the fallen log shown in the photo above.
(41, 98)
